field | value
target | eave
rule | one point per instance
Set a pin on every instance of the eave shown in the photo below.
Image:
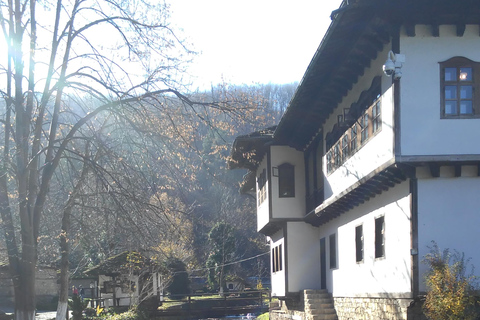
(370, 186)
(359, 31)
(248, 150)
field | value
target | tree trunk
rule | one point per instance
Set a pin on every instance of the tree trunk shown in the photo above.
(25, 294)
(61, 310)
(64, 265)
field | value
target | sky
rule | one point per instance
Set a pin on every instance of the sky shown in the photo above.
(252, 41)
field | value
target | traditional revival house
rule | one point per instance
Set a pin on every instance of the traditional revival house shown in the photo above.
(376, 156)
(127, 279)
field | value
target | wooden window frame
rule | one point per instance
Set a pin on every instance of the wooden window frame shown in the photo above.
(458, 63)
(376, 117)
(380, 237)
(286, 180)
(277, 259)
(262, 187)
(365, 126)
(359, 244)
(332, 243)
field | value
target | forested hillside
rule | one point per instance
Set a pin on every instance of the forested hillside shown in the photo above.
(160, 184)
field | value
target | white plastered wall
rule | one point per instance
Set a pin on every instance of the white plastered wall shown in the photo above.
(372, 277)
(449, 214)
(278, 278)
(423, 132)
(303, 254)
(288, 207)
(263, 213)
(377, 150)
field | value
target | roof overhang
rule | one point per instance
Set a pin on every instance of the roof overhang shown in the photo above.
(248, 150)
(358, 32)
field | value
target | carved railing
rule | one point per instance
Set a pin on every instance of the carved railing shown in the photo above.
(357, 135)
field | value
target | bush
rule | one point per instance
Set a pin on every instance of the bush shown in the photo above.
(450, 290)
(180, 285)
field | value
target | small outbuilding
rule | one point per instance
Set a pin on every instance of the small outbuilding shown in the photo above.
(127, 279)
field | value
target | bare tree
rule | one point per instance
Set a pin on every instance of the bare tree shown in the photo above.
(57, 52)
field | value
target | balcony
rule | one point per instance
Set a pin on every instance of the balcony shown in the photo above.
(354, 137)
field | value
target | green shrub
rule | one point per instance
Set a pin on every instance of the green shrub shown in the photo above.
(264, 316)
(450, 290)
(77, 305)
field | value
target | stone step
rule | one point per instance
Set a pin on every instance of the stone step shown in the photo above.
(324, 295)
(321, 311)
(307, 291)
(322, 317)
(319, 301)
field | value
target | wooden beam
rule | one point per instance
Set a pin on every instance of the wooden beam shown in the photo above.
(410, 29)
(434, 170)
(458, 170)
(460, 29)
(435, 30)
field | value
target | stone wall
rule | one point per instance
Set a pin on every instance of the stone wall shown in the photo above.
(356, 308)
(290, 309)
(46, 287)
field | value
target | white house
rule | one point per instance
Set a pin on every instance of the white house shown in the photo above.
(366, 168)
(127, 279)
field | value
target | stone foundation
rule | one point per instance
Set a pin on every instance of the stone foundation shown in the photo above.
(354, 308)
(372, 308)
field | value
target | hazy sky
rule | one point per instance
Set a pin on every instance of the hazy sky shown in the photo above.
(252, 41)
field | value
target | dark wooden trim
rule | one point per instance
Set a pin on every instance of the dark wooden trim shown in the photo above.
(397, 142)
(460, 29)
(414, 236)
(435, 30)
(458, 170)
(269, 181)
(442, 158)
(434, 169)
(410, 29)
(381, 179)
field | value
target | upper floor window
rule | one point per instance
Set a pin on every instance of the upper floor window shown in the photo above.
(460, 80)
(286, 180)
(367, 126)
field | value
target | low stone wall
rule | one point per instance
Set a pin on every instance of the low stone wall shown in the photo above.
(291, 309)
(46, 287)
(371, 308)
(357, 308)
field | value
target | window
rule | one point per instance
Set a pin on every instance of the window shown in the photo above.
(353, 138)
(262, 187)
(361, 125)
(359, 243)
(460, 80)
(286, 180)
(364, 124)
(333, 251)
(277, 258)
(376, 118)
(345, 145)
(380, 237)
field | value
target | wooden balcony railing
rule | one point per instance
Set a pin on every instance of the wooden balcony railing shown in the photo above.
(357, 135)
